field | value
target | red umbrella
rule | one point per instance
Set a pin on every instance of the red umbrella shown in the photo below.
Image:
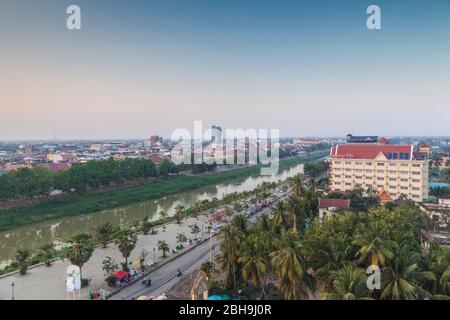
(119, 275)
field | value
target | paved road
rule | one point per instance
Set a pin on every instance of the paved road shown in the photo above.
(166, 277)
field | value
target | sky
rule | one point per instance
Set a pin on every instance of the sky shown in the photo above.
(139, 68)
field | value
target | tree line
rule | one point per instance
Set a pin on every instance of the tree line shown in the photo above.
(26, 183)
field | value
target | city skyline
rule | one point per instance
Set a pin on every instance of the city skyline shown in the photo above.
(307, 68)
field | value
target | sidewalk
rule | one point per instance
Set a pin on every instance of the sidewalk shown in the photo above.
(48, 283)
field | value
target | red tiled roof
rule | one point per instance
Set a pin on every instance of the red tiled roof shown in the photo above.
(336, 203)
(424, 146)
(366, 151)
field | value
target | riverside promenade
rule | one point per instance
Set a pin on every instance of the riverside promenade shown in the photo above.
(48, 283)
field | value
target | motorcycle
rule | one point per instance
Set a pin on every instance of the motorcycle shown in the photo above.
(147, 282)
(179, 273)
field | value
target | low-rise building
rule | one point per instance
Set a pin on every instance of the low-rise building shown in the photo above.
(330, 206)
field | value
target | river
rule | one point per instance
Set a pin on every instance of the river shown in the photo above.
(33, 236)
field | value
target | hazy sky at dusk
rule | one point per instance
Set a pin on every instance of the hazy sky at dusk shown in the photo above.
(139, 68)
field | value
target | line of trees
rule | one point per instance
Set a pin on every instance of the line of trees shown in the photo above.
(26, 183)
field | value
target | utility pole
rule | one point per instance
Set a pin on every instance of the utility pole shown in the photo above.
(12, 289)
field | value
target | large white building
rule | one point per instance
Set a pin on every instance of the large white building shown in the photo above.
(395, 169)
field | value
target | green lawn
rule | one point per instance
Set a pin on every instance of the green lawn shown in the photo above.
(93, 202)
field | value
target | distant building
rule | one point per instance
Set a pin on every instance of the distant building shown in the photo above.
(361, 139)
(397, 169)
(154, 140)
(304, 142)
(29, 150)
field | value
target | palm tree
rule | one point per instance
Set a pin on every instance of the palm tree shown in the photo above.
(290, 266)
(440, 265)
(266, 231)
(181, 237)
(329, 255)
(374, 249)
(80, 250)
(229, 247)
(254, 266)
(104, 233)
(401, 276)
(349, 284)
(163, 217)
(126, 242)
(164, 247)
(297, 186)
(179, 211)
(240, 222)
(293, 210)
(279, 215)
(21, 258)
(47, 252)
(195, 229)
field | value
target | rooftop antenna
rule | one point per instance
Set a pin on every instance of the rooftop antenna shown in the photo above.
(54, 134)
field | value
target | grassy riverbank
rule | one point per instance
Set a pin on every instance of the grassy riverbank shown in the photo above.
(71, 205)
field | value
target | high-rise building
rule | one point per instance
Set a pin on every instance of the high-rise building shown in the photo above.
(392, 169)
(154, 140)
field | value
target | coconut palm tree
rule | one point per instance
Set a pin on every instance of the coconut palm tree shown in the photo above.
(164, 247)
(179, 212)
(240, 222)
(329, 255)
(163, 217)
(293, 206)
(47, 252)
(126, 242)
(279, 215)
(104, 233)
(181, 238)
(297, 186)
(402, 278)
(349, 284)
(195, 229)
(439, 263)
(21, 258)
(374, 249)
(231, 241)
(80, 250)
(254, 266)
(291, 268)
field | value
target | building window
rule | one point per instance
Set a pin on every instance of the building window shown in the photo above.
(380, 178)
(416, 173)
(392, 164)
(404, 165)
(404, 180)
(359, 163)
(392, 179)
(380, 164)
(416, 165)
(348, 163)
(392, 155)
(404, 156)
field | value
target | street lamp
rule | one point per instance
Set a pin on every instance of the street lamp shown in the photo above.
(12, 290)
(154, 254)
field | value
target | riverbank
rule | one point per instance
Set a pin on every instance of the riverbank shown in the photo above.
(67, 206)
